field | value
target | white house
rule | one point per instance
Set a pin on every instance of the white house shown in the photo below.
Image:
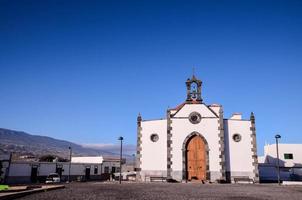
(290, 162)
(83, 168)
(196, 142)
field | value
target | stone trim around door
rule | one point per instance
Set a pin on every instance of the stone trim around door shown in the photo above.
(169, 145)
(254, 149)
(184, 156)
(221, 146)
(138, 148)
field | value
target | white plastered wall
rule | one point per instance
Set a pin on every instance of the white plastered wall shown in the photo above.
(20, 169)
(239, 160)
(154, 154)
(44, 168)
(200, 108)
(215, 108)
(87, 159)
(268, 163)
(271, 155)
(208, 128)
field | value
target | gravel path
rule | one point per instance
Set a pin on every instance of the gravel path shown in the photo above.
(169, 191)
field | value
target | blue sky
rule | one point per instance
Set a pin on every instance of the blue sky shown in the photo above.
(83, 70)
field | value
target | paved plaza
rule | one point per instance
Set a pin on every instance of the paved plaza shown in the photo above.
(169, 191)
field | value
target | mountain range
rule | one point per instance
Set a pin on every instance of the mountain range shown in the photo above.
(24, 144)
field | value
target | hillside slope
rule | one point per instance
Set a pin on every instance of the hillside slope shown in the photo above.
(22, 143)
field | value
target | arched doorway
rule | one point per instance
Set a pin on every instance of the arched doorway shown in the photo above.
(196, 158)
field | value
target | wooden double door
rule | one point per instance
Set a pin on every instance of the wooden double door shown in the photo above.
(196, 159)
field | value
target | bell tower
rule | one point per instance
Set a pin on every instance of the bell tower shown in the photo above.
(193, 89)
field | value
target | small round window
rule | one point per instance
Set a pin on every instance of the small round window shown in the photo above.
(194, 117)
(237, 137)
(154, 137)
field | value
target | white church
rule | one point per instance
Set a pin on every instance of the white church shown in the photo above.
(196, 143)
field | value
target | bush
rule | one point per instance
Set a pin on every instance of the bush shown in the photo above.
(4, 187)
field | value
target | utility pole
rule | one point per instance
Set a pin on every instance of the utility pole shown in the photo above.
(70, 152)
(278, 163)
(121, 153)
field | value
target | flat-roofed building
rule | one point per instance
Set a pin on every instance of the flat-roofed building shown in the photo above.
(290, 162)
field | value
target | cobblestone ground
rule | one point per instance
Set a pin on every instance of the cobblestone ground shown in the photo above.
(169, 191)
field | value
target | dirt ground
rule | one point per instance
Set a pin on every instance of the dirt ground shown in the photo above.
(169, 191)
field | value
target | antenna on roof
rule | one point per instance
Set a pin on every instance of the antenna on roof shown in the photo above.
(193, 71)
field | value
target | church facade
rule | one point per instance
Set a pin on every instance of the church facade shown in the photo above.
(196, 143)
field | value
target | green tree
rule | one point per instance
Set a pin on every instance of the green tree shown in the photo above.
(1, 172)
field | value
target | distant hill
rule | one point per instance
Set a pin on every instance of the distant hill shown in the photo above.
(21, 143)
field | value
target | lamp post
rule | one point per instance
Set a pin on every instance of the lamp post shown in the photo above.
(278, 164)
(121, 139)
(70, 152)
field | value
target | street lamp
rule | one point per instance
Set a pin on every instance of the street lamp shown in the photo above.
(70, 152)
(121, 139)
(278, 164)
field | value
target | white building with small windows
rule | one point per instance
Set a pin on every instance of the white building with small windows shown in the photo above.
(290, 163)
(80, 168)
(195, 142)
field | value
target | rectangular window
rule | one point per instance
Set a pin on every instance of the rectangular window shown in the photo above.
(113, 170)
(95, 169)
(288, 156)
(106, 170)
